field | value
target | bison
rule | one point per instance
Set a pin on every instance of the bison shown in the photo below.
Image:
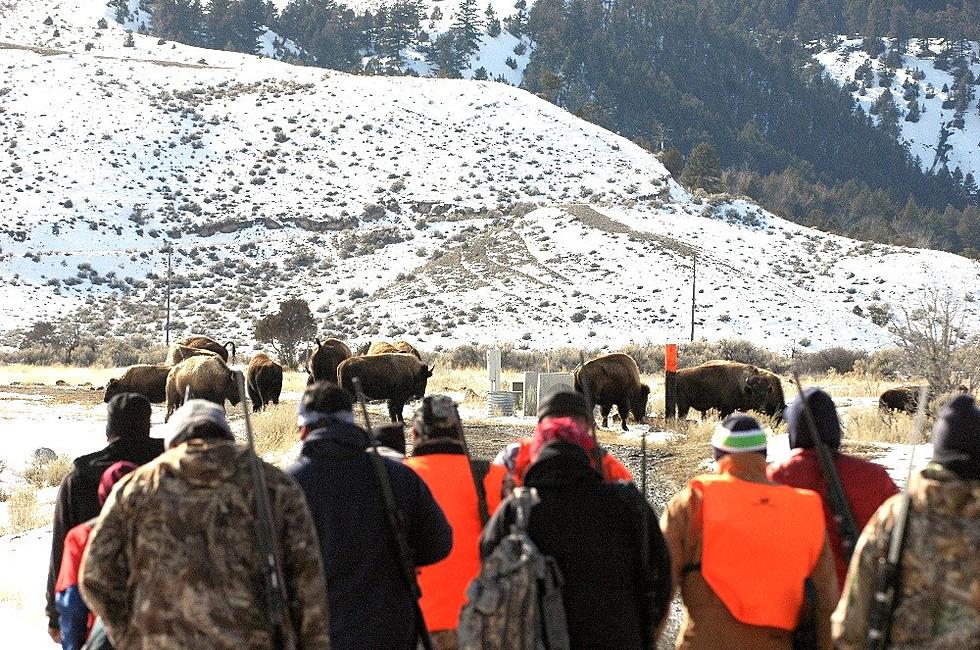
(403, 347)
(180, 352)
(200, 377)
(208, 343)
(263, 378)
(728, 386)
(149, 381)
(322, 364)
(901, 398)
(614, 379)
(397, 378)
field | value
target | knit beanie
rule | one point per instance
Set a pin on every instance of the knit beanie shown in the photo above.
(438, 418)
(739, 433)
(564, 404)
(824, 414)
(193, 414)
(568, 428)
(111, 476)
(956, 438)
(324, 403)
(128, 416)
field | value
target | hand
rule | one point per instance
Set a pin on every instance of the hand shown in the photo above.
(55, 634)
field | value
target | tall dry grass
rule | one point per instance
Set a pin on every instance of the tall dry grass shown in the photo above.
(275, 430)
(43, 473)
(51, 375)
(872, 425)
(24, 510)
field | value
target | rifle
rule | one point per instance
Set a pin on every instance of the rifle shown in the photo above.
(481, 492)
(396, 522)
(840, 508)
(274, 580)
(886, 586)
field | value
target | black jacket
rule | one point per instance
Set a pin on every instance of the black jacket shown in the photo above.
(78, 497)
(594, 531)
(370, 603)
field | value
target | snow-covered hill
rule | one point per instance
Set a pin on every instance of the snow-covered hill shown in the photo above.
(438, 210)
(924, 75)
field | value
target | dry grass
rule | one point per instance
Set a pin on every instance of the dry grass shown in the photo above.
(51, 375)
(275, 429)
(43, 473)
(872, 425)
(24, 511)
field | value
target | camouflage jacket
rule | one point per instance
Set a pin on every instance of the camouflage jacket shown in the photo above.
(939, 604)
(172, 562)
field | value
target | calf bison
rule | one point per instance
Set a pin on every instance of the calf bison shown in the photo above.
(728, 386)
(901, 398)
(149, 381)
(322, 364)
(180, 352)
(384, 347)
(398, 378)
(614, 379)
(208, 343)
(263, 378)
(200, 377)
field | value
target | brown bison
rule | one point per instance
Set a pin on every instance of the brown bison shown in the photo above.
(729, 386)
(614, 379)
(208, 343)
(901, 398)
(201, 377)
(322, 364)
(383, 347)
(180, 352)
(263, 378)
(397, 378)
(149, 381)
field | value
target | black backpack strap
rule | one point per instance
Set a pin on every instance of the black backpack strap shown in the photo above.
(479, 469)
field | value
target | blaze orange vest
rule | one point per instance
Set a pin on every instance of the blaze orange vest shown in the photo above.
(759, 543)
(444, 583)
(612, 469)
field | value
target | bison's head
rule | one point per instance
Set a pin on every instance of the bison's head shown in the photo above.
(112, 389)
(422, 382)
(758, 387)
(639, 405)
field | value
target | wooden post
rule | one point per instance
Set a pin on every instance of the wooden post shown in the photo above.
(694, 292)
(166, 327)
(670, 381)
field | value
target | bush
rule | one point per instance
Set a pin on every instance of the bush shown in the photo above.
(24, 511)
(275, 430)
(840, 360)
(42, 473)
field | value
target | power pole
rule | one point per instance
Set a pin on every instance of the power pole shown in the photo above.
(166, 328)
(694, 292)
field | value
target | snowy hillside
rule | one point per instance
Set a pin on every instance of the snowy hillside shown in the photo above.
(946, 130)
(442, 211)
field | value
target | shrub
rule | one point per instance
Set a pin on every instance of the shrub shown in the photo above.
(839, 359)
(24, 511)
(275, 430)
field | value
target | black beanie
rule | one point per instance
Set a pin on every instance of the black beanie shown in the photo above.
(128, 416)
(564, 404)
(824, 414)
(956, 438)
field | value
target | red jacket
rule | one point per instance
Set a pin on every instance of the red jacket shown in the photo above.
(866, 484)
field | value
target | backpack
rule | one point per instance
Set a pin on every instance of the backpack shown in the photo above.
(515, 603)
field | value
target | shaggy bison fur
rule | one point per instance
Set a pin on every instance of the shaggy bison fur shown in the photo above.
(398, 378)
(208, 343)
(206, 377)
(322, 364)
(263, 379)
(179, 352)
(728, 386)
(614, 379)
(900, 398)
(384, 347)
(148, 381)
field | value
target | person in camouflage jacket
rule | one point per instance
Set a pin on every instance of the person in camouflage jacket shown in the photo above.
(173, 561)
(938, 603)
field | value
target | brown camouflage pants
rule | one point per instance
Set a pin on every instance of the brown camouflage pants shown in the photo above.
(444, 640)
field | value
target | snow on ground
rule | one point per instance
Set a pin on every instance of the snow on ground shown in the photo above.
(845, 57)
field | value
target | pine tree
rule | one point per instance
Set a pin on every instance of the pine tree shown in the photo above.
(884, 107)
(493, 25)
(218, 26)
(122, 14)
(248, 21)
(467, 27)
(703, 168)
(913, 114)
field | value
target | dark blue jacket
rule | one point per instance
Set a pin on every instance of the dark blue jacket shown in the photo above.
(370, 604)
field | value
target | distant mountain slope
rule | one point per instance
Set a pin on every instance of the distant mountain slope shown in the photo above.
(932, 128)
(443, 211)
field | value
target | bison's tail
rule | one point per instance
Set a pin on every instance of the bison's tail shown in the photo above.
(577, 381)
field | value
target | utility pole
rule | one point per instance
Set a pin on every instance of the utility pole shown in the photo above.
(166, 328)
(694, 292)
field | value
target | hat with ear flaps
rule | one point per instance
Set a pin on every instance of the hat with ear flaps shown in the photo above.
(956, 438)
(824, 415)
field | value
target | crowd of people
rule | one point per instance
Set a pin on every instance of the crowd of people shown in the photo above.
(154, 542)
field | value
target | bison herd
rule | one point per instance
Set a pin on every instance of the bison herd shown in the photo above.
(197, 366)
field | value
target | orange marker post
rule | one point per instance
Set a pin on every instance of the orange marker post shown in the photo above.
(670, 381)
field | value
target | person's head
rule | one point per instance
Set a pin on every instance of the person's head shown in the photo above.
(197, 419)
(127, 417)
(323, 403)
(437, 421)
(956, 438)
(738, 434)
(565, 404)
(111, 476)
(824, 414)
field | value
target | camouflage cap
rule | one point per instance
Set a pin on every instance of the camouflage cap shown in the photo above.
(195, 413)
(438, 418)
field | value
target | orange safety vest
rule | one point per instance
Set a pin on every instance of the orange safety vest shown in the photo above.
(444, 583)
(612, 469)
(759, 543)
